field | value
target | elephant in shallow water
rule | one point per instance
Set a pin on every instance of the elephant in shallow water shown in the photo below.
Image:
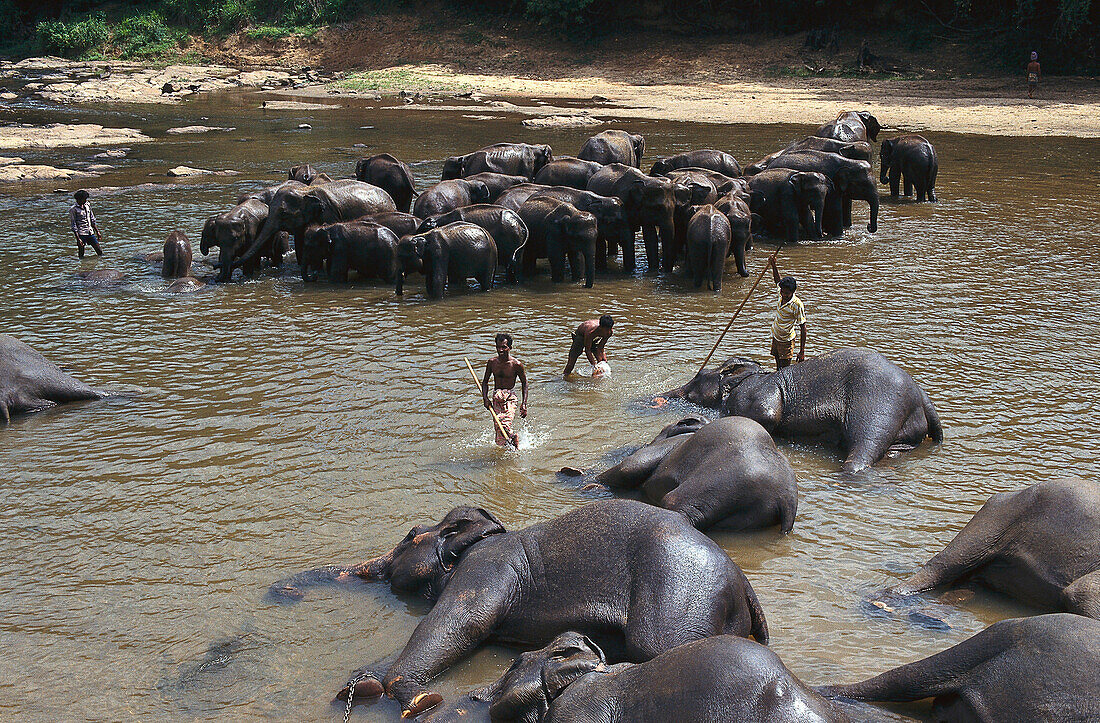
(784, 200)
(497, 183)
(913, 158)
(559, 231)
(722, 678)
(851, 126)
(451, 253)
(857, 150)
(854, 398)
(655, 584)
(612, 227)
(177, 256)
(234, 231)
(367, 247)
(650, 204)
(614, 146)
(726, 474)
(29, 382)
(851, 179)
(708, 244)
(448, 195)
(514, 159)
(391, 175)
(504, 225)
(708, 158)
(567, 171)
(1040, 545)
(307, 174)
(1043, 668)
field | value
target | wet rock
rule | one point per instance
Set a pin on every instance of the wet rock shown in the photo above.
(113, 153)
(10, 161)
(57, 135)
(186, 171)
(99, 168)
(16, 172)
(296, 105)
(562, 121)
(305, 127)
(599, 99)
(188, 130)
(8, 96)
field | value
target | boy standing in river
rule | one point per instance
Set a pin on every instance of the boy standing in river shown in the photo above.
(789, 313)
(82, 222)
(504, 369)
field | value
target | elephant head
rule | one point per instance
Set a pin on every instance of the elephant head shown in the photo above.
(361, 168)
(612, 219)
(315, 252)
(525, 692)
(303, 173)
(857, 182)
(423, 562)
(570, 230)
(410, 258)
(885, 158)
(543, 156)
(708, 387)
(230, 232)
(870, 123)
(479, 191)
(285, 213)
(857, 150)
(655, 199)
(812, 189)
(639, 148)
(452, 168)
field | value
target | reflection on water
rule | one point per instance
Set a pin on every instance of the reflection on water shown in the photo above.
(267, 427)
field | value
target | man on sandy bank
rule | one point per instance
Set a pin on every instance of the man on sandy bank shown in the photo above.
(789, 313)
(82, 222)
(591, 339)
(1032, 74)
(505, 368)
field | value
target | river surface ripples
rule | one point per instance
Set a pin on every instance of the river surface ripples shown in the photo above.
(267, 427)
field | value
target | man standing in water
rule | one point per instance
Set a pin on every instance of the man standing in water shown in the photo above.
(1032, 74)
(505, 368)
(789, 313)
(590, 338)
(82, 222)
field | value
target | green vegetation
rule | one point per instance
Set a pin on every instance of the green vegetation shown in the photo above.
(394, 79)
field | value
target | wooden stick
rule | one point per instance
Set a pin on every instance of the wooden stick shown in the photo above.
(742, 306)
(477, 383)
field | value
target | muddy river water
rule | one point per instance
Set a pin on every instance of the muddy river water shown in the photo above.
(267, 427)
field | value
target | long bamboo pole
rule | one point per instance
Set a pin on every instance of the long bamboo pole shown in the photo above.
(481, 391)
(742, 306)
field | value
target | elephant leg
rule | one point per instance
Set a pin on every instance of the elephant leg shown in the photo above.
(601, 254)
(895, 182)
(338, 270)
(908, 185)
(667, 235)
(1082, 596)
(847, 207)
(576, 271)
(528, 261)
(649, 236)
(922, 189)
(557, 264)
(629, 253)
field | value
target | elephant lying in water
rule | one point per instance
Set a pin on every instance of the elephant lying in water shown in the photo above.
(1044, 668)
(657, 583)
(856, 398)
(29, 382)
(726, 474)
(1040, 545)
(722, 678)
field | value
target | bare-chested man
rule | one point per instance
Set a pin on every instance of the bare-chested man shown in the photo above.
(590, 338)
(504, 369)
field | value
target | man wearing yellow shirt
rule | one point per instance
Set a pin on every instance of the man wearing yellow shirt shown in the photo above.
(789, 313)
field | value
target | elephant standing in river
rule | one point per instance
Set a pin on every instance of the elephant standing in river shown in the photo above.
(851, 126)
(1038, 669)
(567, 171)
(707, 246)
(448, 195)
(504, 225)
(294, 209)
(855, 398)
(391, 175)
(365, 246)
(236, 230)
(614, 146)
(851, 179)
(29, 382)
(177, 256)
(655, 583)
(650, 203)
(784, 199)
(451, 253)
(1040, 545)
(857, 150)
(722, 678)
(399, 222)
(708, 158)
(559, 231)
(913, 158)
(612, 227)
(497, 183)
(727, 474)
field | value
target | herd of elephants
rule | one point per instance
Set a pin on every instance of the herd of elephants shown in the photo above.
(660, 624)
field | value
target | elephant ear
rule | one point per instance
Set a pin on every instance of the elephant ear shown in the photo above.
(479, 192)
(313, 210)
(871, 123)
(886, 150)
(462, 528)
(361, 169)
(208, 238)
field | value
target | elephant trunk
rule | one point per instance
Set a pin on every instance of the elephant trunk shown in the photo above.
(267, 232)
(377, 568)
(872, 226)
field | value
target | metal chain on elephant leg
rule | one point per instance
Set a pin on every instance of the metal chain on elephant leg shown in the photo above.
(351, 693)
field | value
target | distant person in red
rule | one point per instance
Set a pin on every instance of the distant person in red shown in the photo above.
(1032, 74)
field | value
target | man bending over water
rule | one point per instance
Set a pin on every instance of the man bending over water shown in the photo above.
(590, 338)
(505, 368)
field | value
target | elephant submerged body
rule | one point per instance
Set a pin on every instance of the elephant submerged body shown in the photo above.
(854, 398)
(657, 583)
(1043, 668)
(177, 256)
(722, 678)
(29, 382)
(727, 474)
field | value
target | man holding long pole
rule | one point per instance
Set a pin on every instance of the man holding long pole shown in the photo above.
(505, 369)
(789, 313)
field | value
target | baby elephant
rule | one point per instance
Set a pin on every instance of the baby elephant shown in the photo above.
(365, 246)
(708, 242)
(177, 256)
(726, 474)
(723, 678)
(1044, 668)
(451, 253)
(913, 159)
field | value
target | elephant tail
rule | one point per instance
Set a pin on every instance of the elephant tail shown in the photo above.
(759, 627)
(935, 429)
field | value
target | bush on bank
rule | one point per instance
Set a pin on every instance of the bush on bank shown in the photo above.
(1065, 32)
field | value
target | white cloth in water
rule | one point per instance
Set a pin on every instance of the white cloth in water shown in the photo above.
(602, 369)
